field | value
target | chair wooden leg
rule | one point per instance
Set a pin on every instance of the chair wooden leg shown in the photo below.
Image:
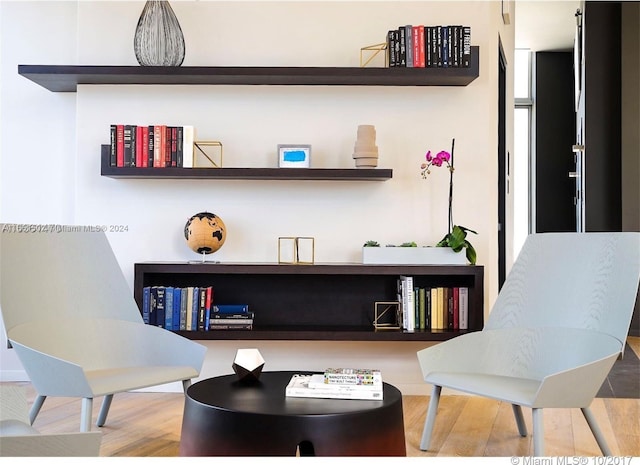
(595, 429)
(104, 410)
(538, 432)
(85, 415)
(522, 427)
(431, 418)
(35, 408)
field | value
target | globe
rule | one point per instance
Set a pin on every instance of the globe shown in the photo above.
(205, 233)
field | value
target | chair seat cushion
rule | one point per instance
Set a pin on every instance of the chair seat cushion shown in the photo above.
(519, 391)
(109, 381)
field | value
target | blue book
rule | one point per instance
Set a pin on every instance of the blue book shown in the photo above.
(168, 306)
(230, 308)
(194, 308)
(146, 302)
(177, 304)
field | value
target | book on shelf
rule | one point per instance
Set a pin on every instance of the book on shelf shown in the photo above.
(299, 387)
(157, 146)
(191, 309)
(426, 46)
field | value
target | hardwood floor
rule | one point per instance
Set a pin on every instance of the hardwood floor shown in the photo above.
(148, 425)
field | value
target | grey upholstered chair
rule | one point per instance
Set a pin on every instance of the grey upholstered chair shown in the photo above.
(558, 325)
(72, 320)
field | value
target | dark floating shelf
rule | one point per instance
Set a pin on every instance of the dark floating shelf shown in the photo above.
(301, 333)
(65, 78)
(275, 174)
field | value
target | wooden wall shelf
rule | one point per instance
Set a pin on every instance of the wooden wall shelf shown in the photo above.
(66, 78)
(313, 302)
(273, 174)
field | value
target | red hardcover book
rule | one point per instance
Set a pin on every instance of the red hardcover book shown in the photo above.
(415, 42)
(421, 44)
(167, 145)
(145, 147)
(139, 141)
(120, 145)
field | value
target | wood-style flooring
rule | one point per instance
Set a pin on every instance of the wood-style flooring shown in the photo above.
(148, 425)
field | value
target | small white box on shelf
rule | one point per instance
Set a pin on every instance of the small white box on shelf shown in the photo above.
(412, 256)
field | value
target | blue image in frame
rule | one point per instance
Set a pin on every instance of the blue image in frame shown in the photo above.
(294, 155)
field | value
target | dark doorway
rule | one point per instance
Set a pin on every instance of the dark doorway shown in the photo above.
(555, 118)
(502, 166)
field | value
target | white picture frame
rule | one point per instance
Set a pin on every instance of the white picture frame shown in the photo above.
(294, 155)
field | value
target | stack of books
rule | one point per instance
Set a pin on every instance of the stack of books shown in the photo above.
(338, 383)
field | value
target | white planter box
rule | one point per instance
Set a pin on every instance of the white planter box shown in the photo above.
(412, 256)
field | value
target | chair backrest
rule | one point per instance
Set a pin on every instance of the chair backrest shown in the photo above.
(70, 272)
(574, 280)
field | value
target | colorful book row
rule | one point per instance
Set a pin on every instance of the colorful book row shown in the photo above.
(433, 308)
(429, 47)
(156, 146)
(191, 309)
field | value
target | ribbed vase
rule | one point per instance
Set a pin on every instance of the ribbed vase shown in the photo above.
(158, 40)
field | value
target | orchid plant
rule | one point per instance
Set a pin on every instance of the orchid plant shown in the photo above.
(456, 236)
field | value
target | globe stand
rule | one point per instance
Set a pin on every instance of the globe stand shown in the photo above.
(203, 261)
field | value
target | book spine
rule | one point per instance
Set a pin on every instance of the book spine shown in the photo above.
(235, 316)
(179, 146)
(202, 308)
(187, 146)
(183, 309)
(139, 143)
(456, 308)
(113, 161)
(166, 141)
(229, 308)
(120, 145)
(177, 304)
(422, 60)
(466, 49)
(326, 394)
(402, 37)
(189, 307)
(464, 307)
(194, 308)
(408, 45)
(168, 313)
(160, 306)
(144, 149)
(158, 160)
(151, 154)
(174, 146)
(391, 58)
(415, 44)
(244, 326)
(146, 302)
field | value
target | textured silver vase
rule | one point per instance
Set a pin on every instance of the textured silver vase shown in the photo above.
(158, 40)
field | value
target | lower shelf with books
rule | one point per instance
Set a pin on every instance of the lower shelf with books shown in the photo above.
(313, 302)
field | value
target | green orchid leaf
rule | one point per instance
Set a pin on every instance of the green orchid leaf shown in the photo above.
(471, 253)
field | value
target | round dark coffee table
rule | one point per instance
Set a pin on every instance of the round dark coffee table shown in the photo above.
(225, 417)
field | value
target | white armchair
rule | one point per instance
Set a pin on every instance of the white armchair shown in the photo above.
(70, 316)
(558, 325)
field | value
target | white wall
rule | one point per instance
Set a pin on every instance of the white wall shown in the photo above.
(250, 121)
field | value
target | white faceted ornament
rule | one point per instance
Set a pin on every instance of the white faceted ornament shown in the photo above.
(248, 364)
